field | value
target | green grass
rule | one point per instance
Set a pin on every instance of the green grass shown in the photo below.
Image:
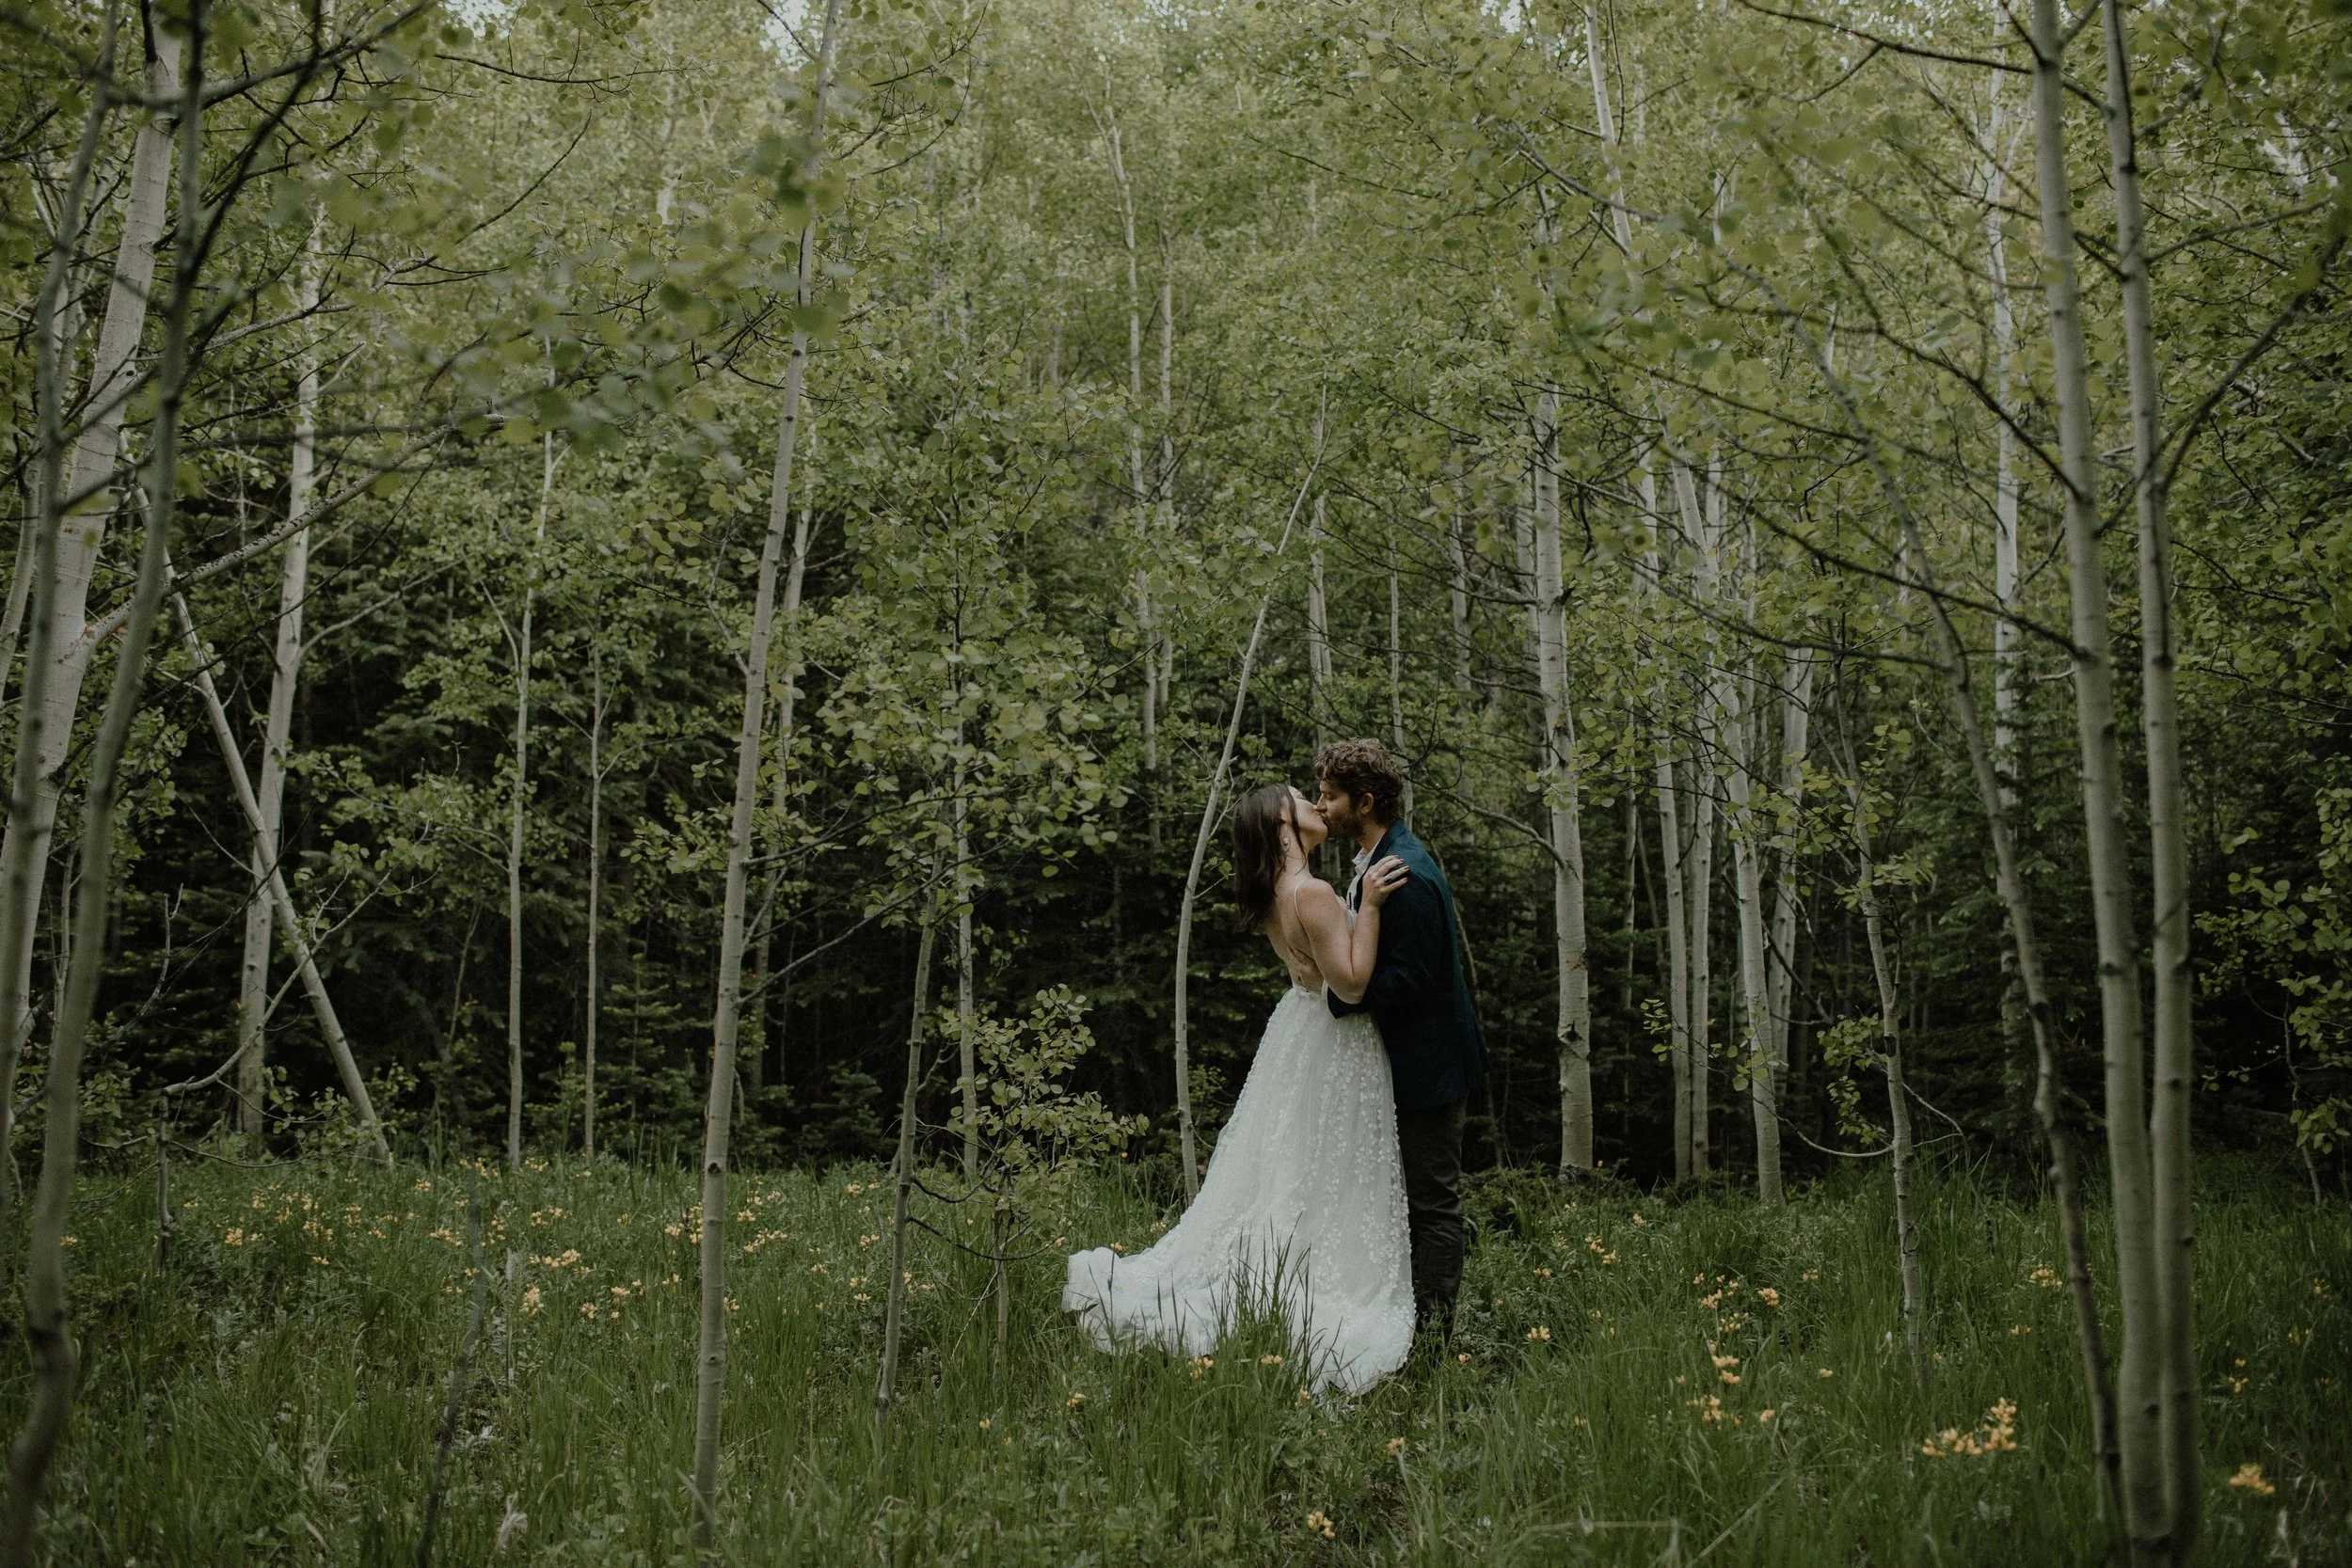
(274, 1395)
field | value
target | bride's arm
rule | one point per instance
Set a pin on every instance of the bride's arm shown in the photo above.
(1344, 951)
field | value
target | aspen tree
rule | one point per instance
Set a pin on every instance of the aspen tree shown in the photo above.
(1796, 712)
(1459, 597)
(1891, 1061)
(968, 1079)
(711, 1356)
(595, 899)
(1997, 802)
(1747, 848)
(1318, 627)
(1548, 635)
(788, 700)
(1686, 916)
(1166, 482)
(519, 797)
(2173, 1220)
(48, 1326)
(56, 654)
(1698, 862)
(20, 890)
(1396, 678)
(902, 1177)
(274, 888)
(293, 587)
(1673, 883)
(1139, 488)
(2140, 1372)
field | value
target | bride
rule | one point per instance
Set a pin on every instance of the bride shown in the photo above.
(1302, 1211)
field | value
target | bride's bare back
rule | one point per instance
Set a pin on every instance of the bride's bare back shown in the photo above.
(1317, 939)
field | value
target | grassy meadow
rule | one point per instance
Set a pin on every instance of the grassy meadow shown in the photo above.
(1636, 1379)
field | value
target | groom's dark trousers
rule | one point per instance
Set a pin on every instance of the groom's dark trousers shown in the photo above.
(1422, 1004)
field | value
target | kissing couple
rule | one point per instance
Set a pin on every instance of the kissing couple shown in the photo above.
(1334, 1196)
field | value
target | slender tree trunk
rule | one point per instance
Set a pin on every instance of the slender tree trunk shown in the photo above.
(1898, 1096)
(1747, 848)
(273, 887)
(1548, 633)
(595, 898)
(1699, 863)
(902, 1183)
(2006, 646)
(1796, 715)
(1671, 876)
(47, 1317)
(34, 588)
(968, 1081)
(518, 799)
(1318, 631)
(2173, 1235)
(1201, 849)
(56, 656)
(1396, 676)
(1167, 481)
(1672, 881)
(711, 1357)
(1147, 608)
(293, 587)
(1997, 799)
(2141, 1375)
(1460, 595)
(781, 799)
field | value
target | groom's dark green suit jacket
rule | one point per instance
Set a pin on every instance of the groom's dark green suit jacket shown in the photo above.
(1418, 997)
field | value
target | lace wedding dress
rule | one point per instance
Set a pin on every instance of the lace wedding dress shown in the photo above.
(1302, 1213)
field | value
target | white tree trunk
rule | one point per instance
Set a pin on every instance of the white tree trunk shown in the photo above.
(52, 694)
(1796, 716)
(1671, 839)
(595, 899)
(293, 587)
(288, 918)
(2173, 1233)
(968, 1080)
(902, 1178)
(2140, 1372)
(726, 1013)
(518, 799)
(1549, 634)
(1396, 678)
(1318, 631)
(1461, 602)
(48, 1324)
(1699, 862)
(1747, 846)
(770, 1030)
(1898, 1095)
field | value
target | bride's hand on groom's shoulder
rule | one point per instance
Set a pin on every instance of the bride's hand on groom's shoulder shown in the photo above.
(1383, 879)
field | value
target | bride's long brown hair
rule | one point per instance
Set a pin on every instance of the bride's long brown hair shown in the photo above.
(1259, 819)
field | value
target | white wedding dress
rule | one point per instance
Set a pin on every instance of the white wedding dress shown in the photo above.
(1301, 1214)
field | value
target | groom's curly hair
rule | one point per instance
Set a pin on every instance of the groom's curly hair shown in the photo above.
(1363, 768)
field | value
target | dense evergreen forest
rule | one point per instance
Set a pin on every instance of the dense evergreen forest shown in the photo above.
(527, 518)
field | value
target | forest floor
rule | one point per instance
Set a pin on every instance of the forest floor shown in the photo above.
(1635, 1379)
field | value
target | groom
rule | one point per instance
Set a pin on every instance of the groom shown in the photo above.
(1418, 1000)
